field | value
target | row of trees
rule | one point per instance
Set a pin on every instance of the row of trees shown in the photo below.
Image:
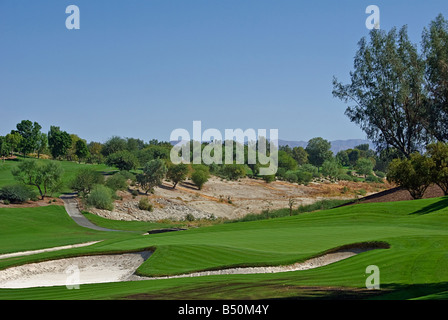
(28, 138)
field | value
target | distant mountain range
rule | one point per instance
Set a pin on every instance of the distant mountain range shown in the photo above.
(336, 145)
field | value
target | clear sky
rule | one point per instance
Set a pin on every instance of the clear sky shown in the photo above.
(144, 68)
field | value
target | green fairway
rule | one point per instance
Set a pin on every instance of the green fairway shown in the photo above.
(70, 168)
(413, 266)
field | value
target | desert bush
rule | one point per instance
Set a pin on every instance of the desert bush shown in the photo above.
(85, 179)
(372, 178)
(177, 173)
(123, 160)
(412, 174)
(144, 204)
(234, 171)
(380, 174)
(127, 175)
(200, 176)
(189, 217)
(346, 177)
(117, 182)
(101, 197)
(17, 193)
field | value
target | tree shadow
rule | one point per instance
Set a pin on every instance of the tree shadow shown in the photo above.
(189, 185)
(441, 204)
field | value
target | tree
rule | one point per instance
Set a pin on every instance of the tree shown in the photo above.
(177, 173)
(13, 139)
(413, 174)
(438, 152)
(41, 144)
(234, 171)
(113, 145)
(200, 176)
(133, 144)
(330, 169)
(364, 166)
(300, 155)
(29, 132)
(318, 150)
(81, 150)
(85, 179)
(95, 152)
(386, 92)
(123, 160)
(45, 176)
(5, 148)
(286, 161)
(153, 173)
(435, 51)
(59, 142)
(342, 158)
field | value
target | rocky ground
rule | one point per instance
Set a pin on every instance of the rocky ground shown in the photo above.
(220, 198)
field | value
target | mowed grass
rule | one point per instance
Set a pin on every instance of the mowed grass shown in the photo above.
(413, 266)
(70, 169)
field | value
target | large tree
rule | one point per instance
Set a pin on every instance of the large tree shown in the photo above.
(58, 141)
(153, 173)
(435, 50)
(45, 176)
(318, 150)
(386, 93)
(30, 133)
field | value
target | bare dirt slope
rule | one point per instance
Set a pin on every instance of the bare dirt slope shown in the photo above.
(230, 199)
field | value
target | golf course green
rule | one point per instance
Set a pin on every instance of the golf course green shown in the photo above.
(413, 267)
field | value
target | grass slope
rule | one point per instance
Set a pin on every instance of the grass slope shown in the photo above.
(70, 169)
(413, 267)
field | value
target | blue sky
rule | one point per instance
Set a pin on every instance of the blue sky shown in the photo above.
(144, 68)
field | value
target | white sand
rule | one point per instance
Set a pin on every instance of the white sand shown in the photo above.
(73, 271)
(27, 253)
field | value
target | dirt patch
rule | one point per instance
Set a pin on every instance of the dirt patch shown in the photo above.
(220, 198)
(31, 204)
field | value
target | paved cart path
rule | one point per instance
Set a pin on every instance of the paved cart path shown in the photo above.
(71, 206)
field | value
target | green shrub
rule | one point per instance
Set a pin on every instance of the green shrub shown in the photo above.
(85, 179)
(200, 176)
(345, 177)
(304, 177)
(189, 217)
(144, 204)
(101, 197)
(127, 175)
(311, 169)
(380, 174)
(234, 171)
(269, 178)
(17, 193)
(291, 176)
(372, 178)
(117, 182)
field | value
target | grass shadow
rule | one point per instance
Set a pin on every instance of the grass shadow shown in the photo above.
(439, 205)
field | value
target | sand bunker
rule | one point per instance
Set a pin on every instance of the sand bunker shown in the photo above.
(121, 267)
(73, 271)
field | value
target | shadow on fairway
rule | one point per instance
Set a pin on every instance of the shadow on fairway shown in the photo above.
(441, 204)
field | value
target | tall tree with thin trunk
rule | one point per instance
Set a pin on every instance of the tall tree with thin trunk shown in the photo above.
(386, 95)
